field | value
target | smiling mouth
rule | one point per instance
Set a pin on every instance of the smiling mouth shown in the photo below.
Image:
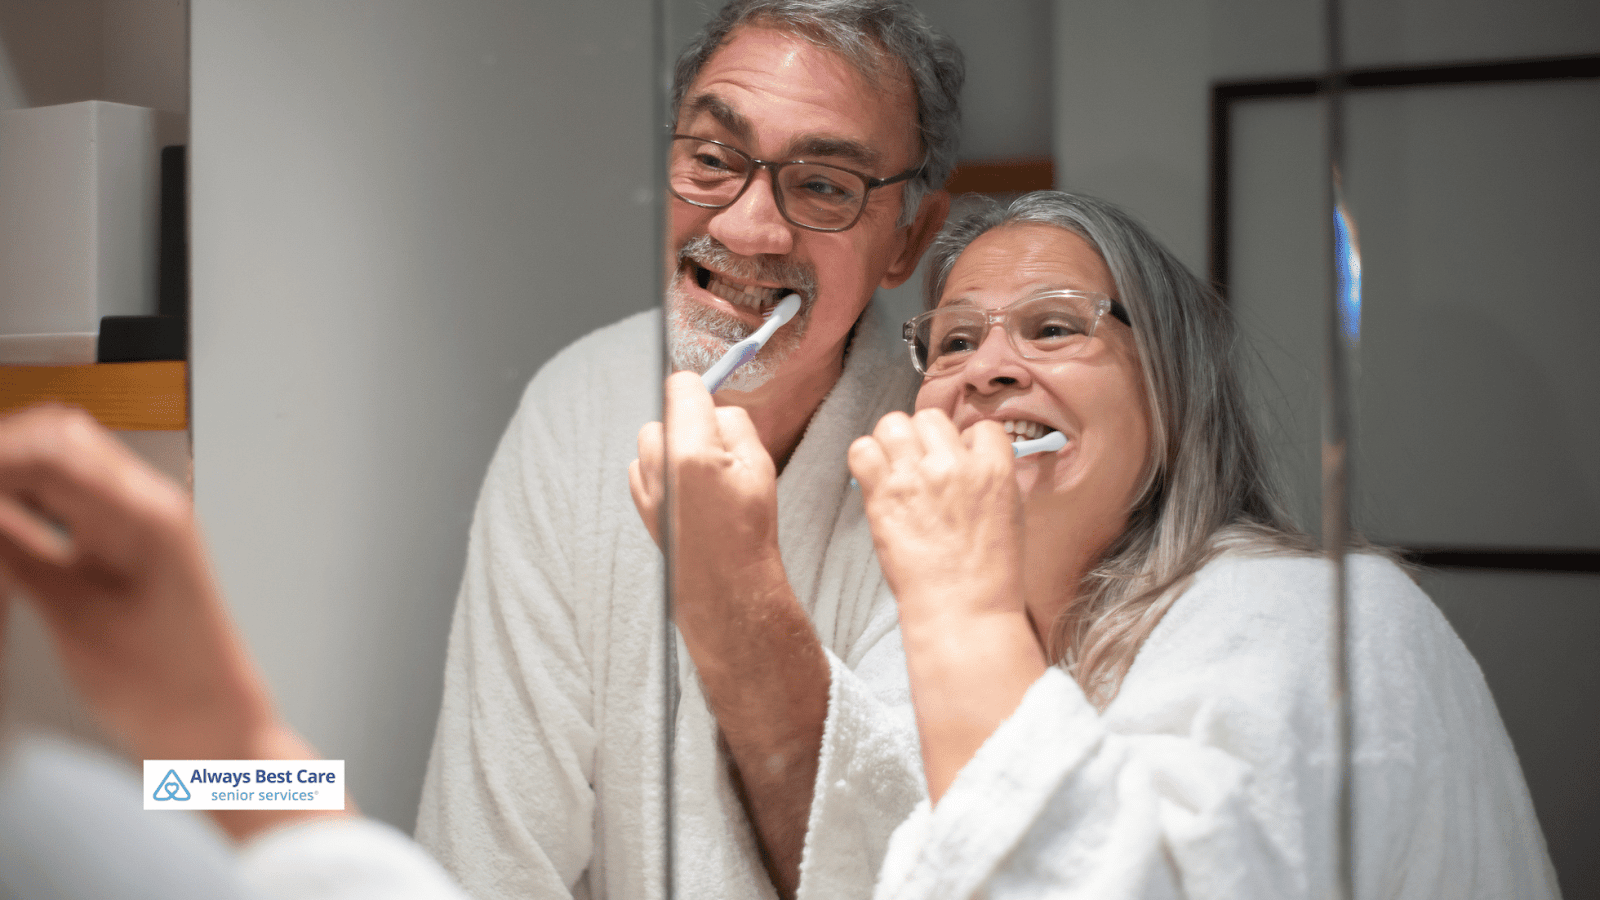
(754, 298)
(1023, 430)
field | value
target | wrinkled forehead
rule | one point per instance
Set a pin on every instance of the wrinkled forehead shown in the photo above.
(1014, 260)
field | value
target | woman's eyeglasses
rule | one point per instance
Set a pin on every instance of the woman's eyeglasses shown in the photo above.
(1050, 325)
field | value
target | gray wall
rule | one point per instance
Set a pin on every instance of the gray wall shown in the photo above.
(399, 210)
(64, 51)
(1475, 415)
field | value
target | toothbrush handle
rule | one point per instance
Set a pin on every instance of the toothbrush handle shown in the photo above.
(740, 353)
(737, 355)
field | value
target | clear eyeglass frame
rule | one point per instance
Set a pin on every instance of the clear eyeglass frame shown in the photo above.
(781, 187)
(1080, 312)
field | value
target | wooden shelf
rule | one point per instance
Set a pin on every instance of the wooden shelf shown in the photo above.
(141, 396)
(1002, 176)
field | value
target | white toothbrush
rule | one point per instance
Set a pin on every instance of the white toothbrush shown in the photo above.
(1050, 443)
(741, 353)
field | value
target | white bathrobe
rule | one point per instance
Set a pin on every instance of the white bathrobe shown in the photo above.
(1209, 775)
(546, 775)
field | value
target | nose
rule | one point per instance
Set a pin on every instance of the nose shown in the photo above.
(995, 365)
(752, 224)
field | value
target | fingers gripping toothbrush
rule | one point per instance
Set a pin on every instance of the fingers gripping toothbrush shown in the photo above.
(745, 350)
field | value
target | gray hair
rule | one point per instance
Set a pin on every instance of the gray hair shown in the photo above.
(862, 32)
(1208, 486)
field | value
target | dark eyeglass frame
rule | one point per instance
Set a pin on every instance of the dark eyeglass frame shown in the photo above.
(1002, 317)
(776, 166)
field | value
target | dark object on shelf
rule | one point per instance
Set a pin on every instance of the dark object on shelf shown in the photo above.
(172, 273)
(164, 336)
(142, 338)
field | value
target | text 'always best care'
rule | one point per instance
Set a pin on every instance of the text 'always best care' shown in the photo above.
(243, 784)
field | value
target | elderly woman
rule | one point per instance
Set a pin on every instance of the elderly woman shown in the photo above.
(1120, 650)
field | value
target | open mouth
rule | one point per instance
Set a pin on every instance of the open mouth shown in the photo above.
(755, 298)
(1023, 430)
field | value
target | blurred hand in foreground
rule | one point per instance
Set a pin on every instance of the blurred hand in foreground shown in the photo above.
(108, 550)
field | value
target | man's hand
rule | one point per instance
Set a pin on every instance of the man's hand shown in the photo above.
(764, 671)
(108, 550)
(725, 522)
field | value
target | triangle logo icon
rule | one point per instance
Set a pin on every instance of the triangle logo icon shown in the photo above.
(171, 787)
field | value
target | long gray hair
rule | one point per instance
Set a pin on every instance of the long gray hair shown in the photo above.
(1207, 488)
(860, 31)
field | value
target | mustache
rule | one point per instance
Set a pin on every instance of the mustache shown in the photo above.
(709, 253)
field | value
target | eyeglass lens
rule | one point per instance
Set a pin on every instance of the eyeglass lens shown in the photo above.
(809, 194)
(1052, 327)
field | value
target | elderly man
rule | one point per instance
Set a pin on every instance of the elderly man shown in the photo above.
(810, 143)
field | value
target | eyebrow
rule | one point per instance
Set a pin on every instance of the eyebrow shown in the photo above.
(807, 146)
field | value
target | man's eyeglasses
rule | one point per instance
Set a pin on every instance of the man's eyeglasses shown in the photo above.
(811, 195)
(1051, 325)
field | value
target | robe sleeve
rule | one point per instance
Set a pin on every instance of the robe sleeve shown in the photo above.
(869, 773)
(1211, 774)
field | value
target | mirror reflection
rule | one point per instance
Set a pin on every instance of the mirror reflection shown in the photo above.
(1143, 142)
(1059, 628)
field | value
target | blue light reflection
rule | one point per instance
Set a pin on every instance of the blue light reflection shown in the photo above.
(1347, 262)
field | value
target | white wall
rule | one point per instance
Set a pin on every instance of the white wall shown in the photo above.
(398, 211)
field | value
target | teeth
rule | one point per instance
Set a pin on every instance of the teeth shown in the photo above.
(1022, 430)
(753, 297)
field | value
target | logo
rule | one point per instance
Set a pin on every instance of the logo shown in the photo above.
(171, 787)
(241, 784)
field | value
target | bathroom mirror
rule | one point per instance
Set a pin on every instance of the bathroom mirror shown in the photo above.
(399, 211)
(1467, 131)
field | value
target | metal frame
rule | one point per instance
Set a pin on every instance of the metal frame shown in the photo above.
(1225, 94)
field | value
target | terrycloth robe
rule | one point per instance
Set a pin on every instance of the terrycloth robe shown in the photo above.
(546, 773)
(1210, 776)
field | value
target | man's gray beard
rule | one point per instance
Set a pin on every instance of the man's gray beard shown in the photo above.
(698, 336)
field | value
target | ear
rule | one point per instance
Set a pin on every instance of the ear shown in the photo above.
(918, 235)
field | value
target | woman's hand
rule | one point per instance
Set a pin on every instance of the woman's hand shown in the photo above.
(946, 519)
(946, 515)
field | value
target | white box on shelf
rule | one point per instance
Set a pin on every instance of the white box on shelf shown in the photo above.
(79, 214)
